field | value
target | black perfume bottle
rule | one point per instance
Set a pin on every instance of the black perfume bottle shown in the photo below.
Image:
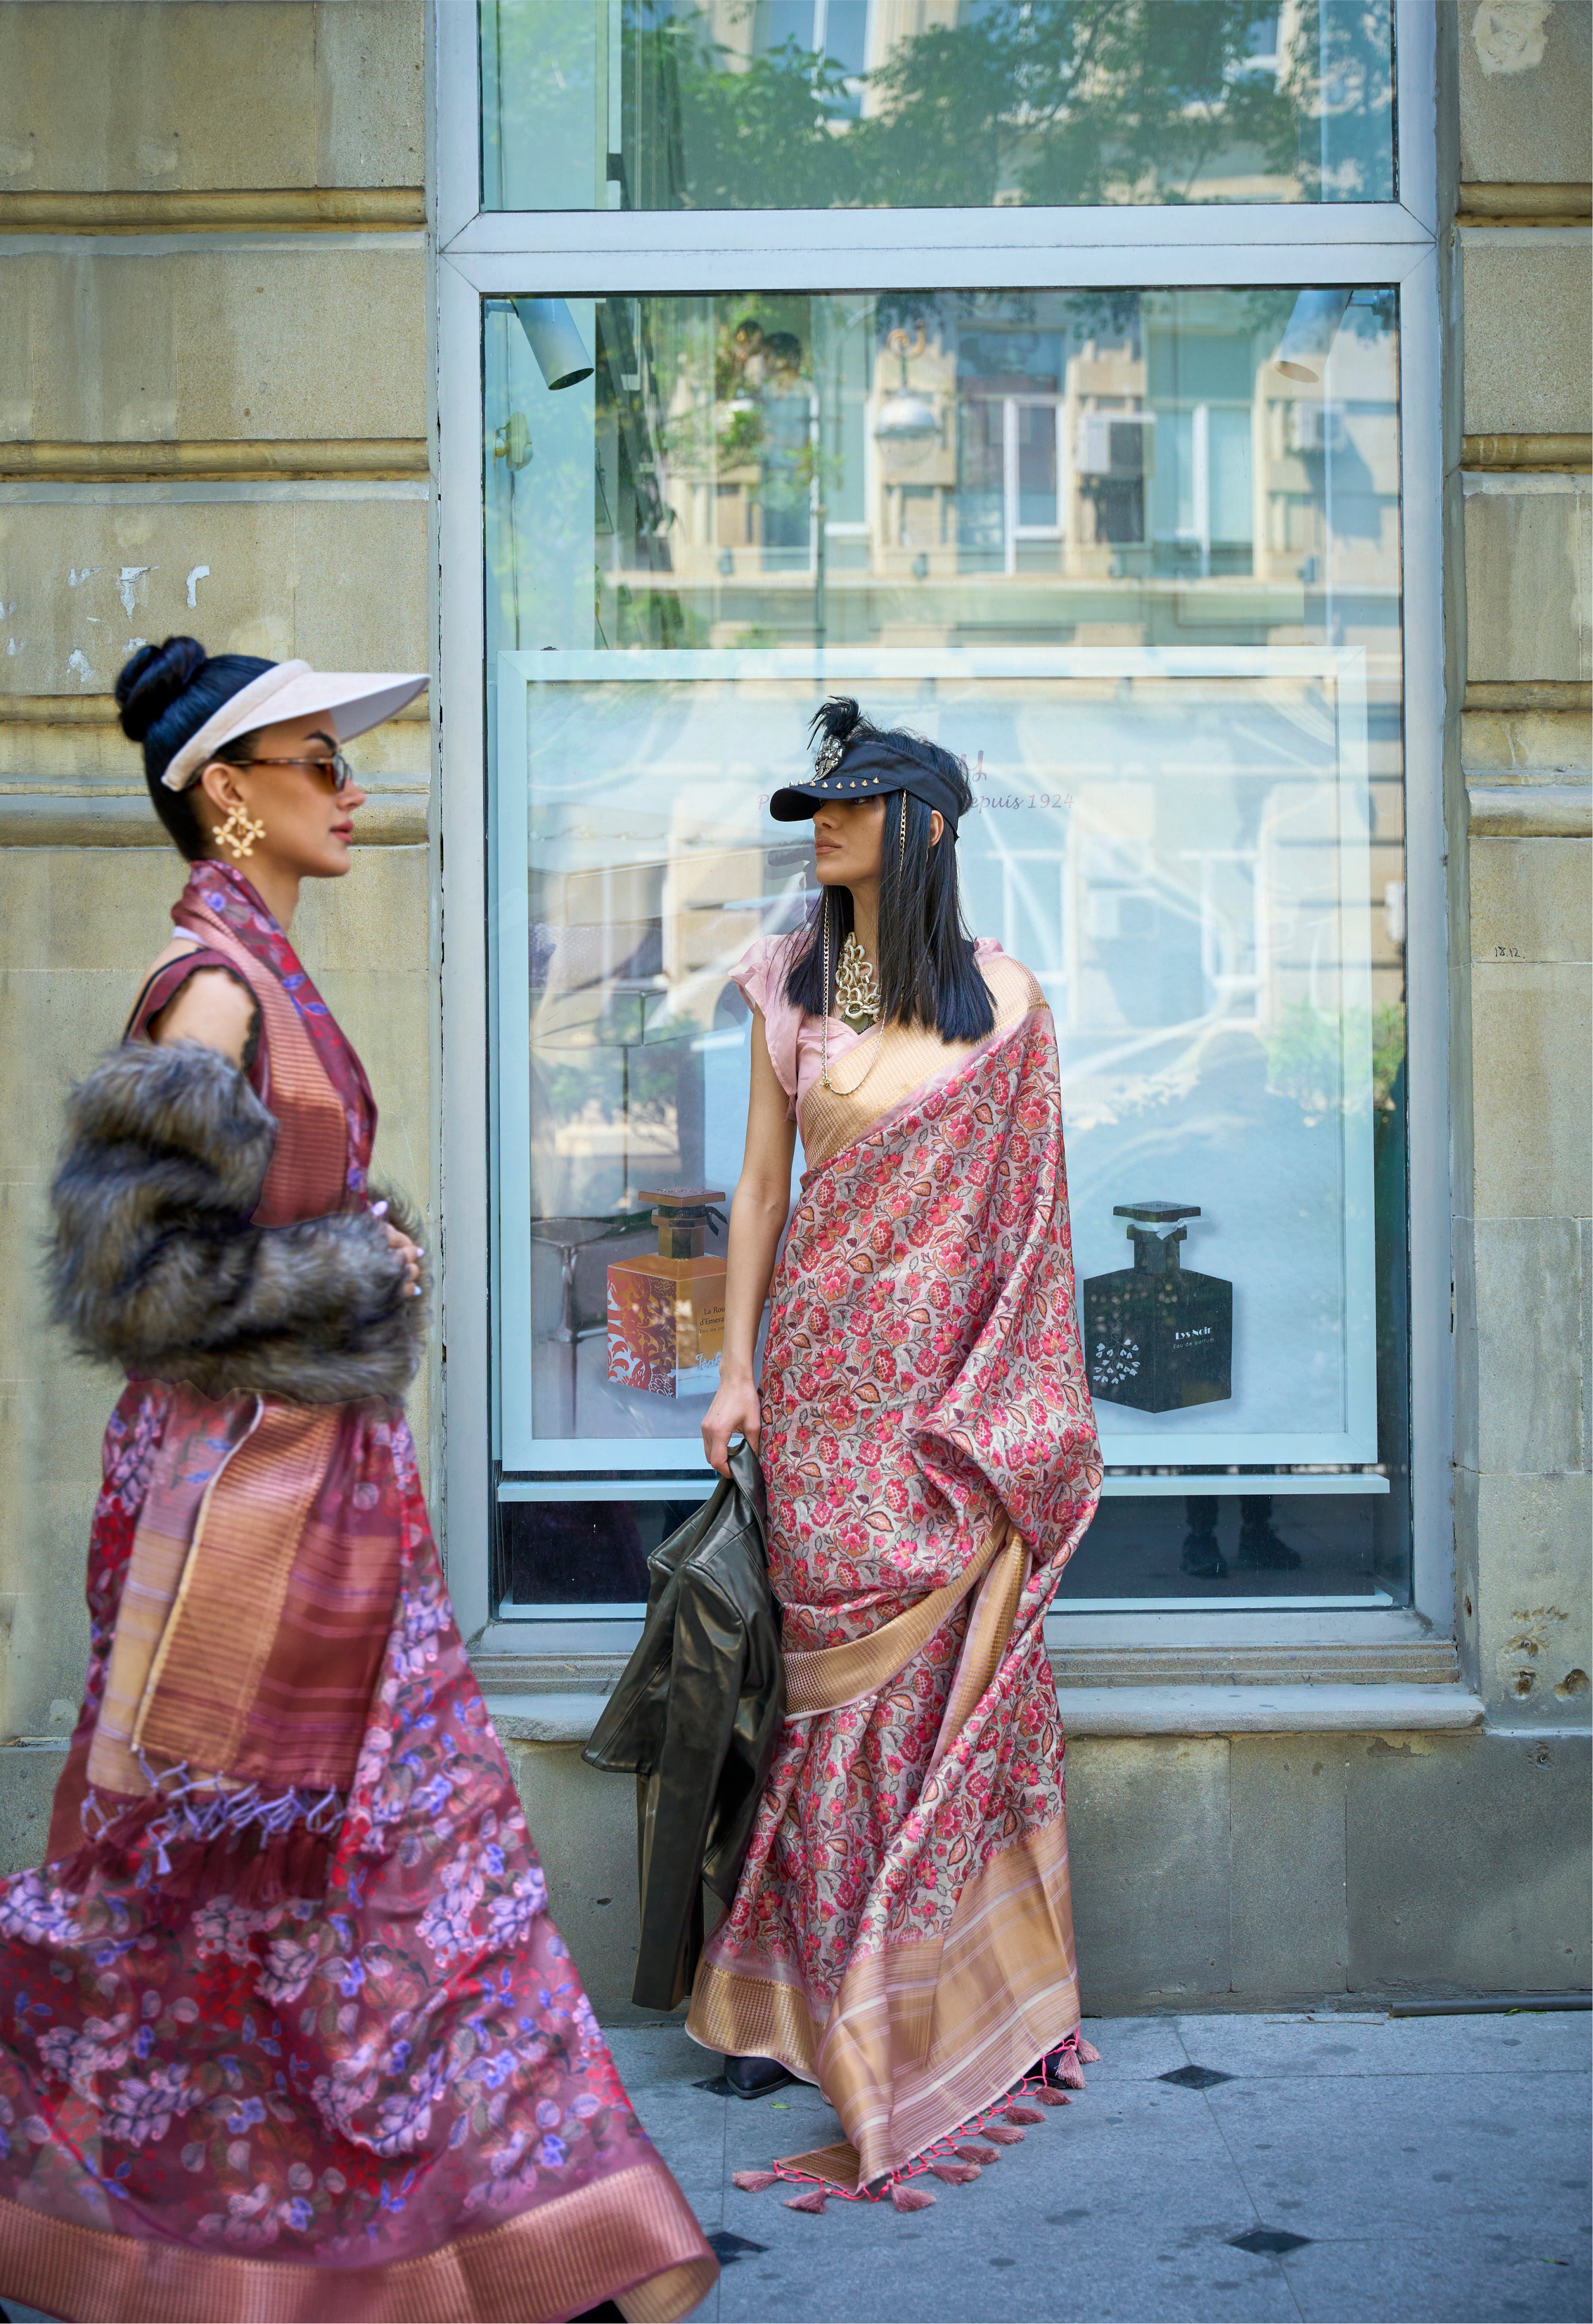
(1157, 1336)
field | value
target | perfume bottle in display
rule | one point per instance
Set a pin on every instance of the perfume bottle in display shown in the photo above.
(666, 1308)
(1157, 1336)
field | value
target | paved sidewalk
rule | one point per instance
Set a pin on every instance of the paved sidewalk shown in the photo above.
(1434, 2169)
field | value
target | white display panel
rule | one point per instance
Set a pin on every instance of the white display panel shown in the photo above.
(1173, 839)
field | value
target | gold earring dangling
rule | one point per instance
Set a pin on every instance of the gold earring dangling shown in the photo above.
(238, 834)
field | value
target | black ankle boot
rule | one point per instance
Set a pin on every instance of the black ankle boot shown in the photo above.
(1262, 1551)
(1202, 1557)
(754, 2078)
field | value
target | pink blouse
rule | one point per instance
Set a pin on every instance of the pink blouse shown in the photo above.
(796, 1041)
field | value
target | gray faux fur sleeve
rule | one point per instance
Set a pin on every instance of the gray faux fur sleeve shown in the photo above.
(155, 1266)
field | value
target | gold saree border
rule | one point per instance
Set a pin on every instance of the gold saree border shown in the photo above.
(985, 1641)
(921, 2037)
(1002, 1991)
(743, 2017)
(631, 2239)
(828, 1678)
(208, 1667)
(155, 1573)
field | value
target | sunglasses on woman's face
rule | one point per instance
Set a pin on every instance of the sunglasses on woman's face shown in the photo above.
(335, 771)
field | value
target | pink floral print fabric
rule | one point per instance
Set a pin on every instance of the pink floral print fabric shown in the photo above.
(923, 1381)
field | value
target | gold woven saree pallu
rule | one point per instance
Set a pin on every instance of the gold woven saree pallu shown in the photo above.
(829, 1678)
(223, 1520)
(207, 1671)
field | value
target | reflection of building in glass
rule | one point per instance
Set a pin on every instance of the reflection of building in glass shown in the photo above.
(1132, 466)
(670, 105)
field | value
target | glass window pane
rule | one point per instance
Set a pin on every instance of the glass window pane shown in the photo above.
(1235, 1549)
(571, 1556)
(1173, 516)
(670, 105)
(1035, 431)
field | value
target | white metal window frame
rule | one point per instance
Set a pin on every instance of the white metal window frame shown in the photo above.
(479, 255)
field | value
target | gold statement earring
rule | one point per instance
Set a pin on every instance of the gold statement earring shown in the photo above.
(238, 834)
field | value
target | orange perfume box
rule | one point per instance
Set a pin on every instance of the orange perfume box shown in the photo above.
(666, 1322)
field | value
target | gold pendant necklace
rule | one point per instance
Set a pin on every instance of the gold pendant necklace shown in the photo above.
(856, 987)
(857, 994)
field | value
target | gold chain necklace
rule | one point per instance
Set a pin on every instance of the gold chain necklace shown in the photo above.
(856, 993)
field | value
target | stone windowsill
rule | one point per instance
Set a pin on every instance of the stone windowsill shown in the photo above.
(1388, 1709)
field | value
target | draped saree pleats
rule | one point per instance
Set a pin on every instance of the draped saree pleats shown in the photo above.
(903, 1932)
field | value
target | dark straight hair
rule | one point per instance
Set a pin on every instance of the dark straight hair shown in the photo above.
(928, 974)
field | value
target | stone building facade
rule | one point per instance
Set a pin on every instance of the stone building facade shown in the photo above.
(225, 264)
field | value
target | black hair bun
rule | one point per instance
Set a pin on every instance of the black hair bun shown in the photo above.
(153, 681)
(838, 719)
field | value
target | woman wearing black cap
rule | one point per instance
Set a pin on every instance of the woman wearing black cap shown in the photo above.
(903, 1932)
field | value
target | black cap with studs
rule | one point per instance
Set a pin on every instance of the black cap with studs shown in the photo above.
(857, 760)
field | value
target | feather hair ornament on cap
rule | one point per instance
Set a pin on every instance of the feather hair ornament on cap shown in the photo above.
(858, 760)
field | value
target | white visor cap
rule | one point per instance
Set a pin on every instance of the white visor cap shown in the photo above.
(354, 700)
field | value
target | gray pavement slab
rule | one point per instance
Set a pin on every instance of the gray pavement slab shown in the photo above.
(1436, 2169)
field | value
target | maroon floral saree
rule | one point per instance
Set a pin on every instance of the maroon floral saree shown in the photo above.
(903, 1934)
(285, 2029)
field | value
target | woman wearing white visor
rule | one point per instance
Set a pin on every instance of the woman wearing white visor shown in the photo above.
(288, 2031)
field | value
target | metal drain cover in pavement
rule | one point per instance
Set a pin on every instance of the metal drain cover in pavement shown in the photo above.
(729, 2248)
(1194, 2078)
(1272, 2240)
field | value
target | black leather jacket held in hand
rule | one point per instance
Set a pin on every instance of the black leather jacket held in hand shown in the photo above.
(695, 1718)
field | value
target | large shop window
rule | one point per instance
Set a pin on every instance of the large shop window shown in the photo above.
(1136, 555)
(729, 105)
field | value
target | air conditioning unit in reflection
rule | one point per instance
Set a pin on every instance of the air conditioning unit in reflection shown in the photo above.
(1114, 443)
(1314, 427)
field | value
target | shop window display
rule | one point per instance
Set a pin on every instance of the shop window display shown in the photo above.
(1144, 576)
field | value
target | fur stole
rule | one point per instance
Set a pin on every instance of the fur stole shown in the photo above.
(155, 1266)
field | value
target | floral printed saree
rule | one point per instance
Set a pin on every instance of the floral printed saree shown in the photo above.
(903, 1932)
(285, 2030)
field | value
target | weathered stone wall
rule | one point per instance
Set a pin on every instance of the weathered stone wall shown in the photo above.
(213, 418)
(1524, 627)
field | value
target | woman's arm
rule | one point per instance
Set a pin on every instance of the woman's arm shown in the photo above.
(211, 1007)
(759, 1211)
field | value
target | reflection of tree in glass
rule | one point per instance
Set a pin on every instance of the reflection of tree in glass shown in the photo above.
(1058, 101)
(1305, 1058)
(576, 1093)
